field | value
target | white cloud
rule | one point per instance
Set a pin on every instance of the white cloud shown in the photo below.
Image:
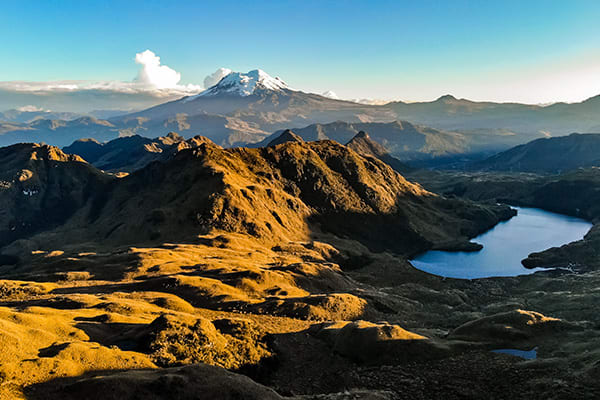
(153, 74)
(330, 94)
(31, 108)
(372, 102)
(215, 77)
(152, 78)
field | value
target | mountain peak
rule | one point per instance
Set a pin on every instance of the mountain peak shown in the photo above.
(362, 135)
(363, 144)
(446, 98)
(245, 84)
(285, 137)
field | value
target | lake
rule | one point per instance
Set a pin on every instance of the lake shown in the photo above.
(505, 245)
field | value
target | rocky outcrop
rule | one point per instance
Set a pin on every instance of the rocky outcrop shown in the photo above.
(370, 342)
(510, 329)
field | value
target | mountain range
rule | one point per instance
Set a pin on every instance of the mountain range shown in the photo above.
(130, 153)
(548, 155)
(246, 108)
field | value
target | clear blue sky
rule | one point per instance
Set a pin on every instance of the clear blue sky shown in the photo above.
(497, 50)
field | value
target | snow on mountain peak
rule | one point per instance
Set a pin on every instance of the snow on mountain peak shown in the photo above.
(245, 84)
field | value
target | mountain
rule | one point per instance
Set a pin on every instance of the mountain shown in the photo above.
(548, 155)
(365, 146)
(285, 137)
(41, 187)
(240, 84)
(402, 139)
(130, 153)
(244, 108)
(526, 122)
(296, 186)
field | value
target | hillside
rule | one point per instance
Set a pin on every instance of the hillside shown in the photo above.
(288, 192)
(28, 116)
(41, 187)
(551, 155)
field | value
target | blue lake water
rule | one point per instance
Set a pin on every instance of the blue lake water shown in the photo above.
(526, 354)
(504, 246)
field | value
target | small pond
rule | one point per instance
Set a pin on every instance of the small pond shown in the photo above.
(525, 354)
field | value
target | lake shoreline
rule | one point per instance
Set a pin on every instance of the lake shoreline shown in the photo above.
(531, 231)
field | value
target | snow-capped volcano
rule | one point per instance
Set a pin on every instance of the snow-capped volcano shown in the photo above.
(246, 84)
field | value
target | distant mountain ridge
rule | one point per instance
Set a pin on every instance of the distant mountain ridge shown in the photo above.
(131, 153)
(549, 155)
(29, 116)
(448, 112)
(245, 108)
(402, 139)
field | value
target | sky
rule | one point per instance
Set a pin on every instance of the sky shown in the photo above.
(523, 51)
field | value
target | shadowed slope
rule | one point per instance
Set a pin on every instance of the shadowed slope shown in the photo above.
(548, 155)
(130, 153)
(40, 187)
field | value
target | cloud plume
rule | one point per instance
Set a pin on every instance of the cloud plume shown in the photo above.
(153, 74)
(153, 84)
(215, 77)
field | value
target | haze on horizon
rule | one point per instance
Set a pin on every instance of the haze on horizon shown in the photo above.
(534, 52)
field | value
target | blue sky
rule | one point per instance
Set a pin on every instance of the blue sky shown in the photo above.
(528, 51)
